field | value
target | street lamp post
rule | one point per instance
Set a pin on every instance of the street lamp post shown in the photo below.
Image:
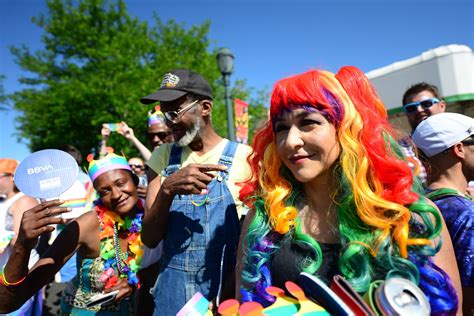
(225, 61)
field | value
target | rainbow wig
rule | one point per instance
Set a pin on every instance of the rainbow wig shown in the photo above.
(386, 227)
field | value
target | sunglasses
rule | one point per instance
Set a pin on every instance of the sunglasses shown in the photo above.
(173, 116)
(425, 104)
(137, 167)
(468, 142)
(161, 135)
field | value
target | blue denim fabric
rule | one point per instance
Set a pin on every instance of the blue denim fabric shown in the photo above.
(201, 242)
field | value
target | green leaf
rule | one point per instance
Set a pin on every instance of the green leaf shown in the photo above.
(97, 61)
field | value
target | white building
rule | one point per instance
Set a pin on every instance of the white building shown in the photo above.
(450, 68)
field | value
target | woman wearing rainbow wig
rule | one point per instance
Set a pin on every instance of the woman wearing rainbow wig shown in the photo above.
(106, 239)
(331, 194)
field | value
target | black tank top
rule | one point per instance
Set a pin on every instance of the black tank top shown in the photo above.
(286, 262)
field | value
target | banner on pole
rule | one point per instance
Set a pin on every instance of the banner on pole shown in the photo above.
(241, 110)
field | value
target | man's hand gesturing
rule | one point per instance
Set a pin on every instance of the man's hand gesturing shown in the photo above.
(192, 179)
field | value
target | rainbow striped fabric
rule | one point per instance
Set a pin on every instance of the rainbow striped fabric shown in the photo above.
(109, 162)
(155, 118)
(81, 202)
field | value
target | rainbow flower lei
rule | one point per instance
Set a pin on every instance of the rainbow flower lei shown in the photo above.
(133, 256)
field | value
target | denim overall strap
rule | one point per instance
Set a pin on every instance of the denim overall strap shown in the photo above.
(174, 162)
(200, 244)
(232, 233)
(227, 157)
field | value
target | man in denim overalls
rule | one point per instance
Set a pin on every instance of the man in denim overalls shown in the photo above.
(192, 202)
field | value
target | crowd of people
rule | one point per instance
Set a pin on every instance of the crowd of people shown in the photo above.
(327, 188)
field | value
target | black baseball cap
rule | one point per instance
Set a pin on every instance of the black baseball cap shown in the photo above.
(178, 83)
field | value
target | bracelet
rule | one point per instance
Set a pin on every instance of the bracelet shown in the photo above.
(4, 281)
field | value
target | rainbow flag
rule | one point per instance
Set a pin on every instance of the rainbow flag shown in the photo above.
(241, 110)
(91, 196)
(74, 203)
(197, 305)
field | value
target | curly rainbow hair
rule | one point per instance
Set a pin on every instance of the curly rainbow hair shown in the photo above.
(386, 226)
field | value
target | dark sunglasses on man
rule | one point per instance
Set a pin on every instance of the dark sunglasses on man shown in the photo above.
(140, 167)
(425, 104)
(161, 135)
(468, 141)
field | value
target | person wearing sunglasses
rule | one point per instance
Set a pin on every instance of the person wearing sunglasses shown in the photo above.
(158, 132)
(420, 101)
(137, 165)
(106, 240)
(447, 140)
(138, 168)
(193, 203)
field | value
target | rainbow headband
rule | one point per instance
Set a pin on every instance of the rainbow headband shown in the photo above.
(155, 118)
(109, 162)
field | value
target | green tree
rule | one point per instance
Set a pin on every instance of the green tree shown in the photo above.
(96, 63)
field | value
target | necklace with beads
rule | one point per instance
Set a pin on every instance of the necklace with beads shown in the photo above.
(120, 258)
(204, 193)
(118, 264)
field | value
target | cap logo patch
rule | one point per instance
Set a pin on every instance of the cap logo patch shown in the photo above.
(169, 81)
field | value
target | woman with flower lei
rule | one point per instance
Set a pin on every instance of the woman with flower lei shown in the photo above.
(111, 225)
(106, 239)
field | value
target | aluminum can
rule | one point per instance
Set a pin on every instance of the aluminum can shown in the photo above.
(398, 296)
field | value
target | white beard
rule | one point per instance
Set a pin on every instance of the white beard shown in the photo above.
(190, 135)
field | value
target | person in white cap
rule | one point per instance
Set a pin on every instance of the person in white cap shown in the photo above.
(447, 140)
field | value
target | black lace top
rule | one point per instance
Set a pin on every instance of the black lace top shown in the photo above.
(286, 263)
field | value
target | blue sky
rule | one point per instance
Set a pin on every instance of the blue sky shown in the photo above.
(271, 38)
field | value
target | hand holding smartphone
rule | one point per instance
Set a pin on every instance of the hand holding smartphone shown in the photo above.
(114, 127)
(102, 298)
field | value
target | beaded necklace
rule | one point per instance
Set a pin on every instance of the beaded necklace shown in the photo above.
(204, 201)
(119, 256)
(118, 264)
